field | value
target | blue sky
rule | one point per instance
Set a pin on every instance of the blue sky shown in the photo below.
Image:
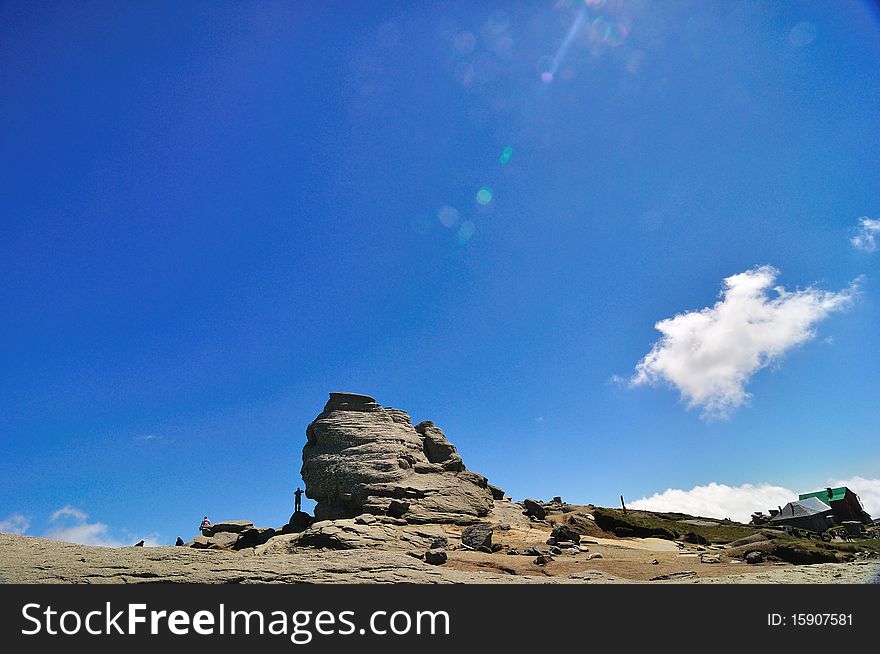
(216, 213)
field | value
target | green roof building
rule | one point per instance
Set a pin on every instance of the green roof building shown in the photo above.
(845, 504)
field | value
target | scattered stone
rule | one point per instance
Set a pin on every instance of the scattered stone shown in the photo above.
(435, 557)
(440, 543)
(484, 549)
(512, 552)
(179, 542)
(754, 557)
(710, 558)
(416, 554)
(532, 551)
(595, 555)
(686, 574)
(497, 547)
(566, 544)
(543, 559)
(555, 551)
(534, 509)
(503, 526)
(478, 535)
(551, 541)
(140, 543)
(655, 562)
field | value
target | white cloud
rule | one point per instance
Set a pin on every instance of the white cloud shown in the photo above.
(711, 354)
(83, 534)
(15, 524)
(68, 512)
(71, 525)
(718, 500)
(739, 502)
(151, 438)
(866, 238)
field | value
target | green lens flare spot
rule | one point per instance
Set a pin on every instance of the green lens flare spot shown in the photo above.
(484, 195)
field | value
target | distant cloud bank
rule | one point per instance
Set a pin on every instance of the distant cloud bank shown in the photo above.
(15, 524)
(867, 234)
(739, 502)
(72, 525)
(711, 354)
(717, 500)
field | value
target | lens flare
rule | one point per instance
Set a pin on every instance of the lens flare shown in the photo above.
(448, 216)
(506, 154)
(484, 195)
(548, 74)
(465, 232)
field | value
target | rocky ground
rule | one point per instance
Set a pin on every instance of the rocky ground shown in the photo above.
(34, 560)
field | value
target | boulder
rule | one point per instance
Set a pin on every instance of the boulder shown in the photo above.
(562, 532)
(360, 457)
(534, 509)
(543, 559)
(179, 542)
(299, 521)
(754, 557)
(710, 558)
(695, 539)
(555, 551)
(581, 524)
(497, 493)
(478, 535)
(435, 557)
(440, 543)
(253, 537)
(224, 540)
(227, 526)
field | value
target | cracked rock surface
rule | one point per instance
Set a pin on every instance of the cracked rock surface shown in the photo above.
(361, 457)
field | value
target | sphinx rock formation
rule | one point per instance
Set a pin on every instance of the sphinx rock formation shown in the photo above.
(361, 458)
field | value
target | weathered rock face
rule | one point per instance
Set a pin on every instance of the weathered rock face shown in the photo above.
(361, 458)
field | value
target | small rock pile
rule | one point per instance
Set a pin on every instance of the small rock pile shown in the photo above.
(232, 535)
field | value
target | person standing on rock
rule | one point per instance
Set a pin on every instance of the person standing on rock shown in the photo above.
(297, 500)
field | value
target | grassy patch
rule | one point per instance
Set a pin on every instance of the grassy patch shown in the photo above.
(668, 525)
